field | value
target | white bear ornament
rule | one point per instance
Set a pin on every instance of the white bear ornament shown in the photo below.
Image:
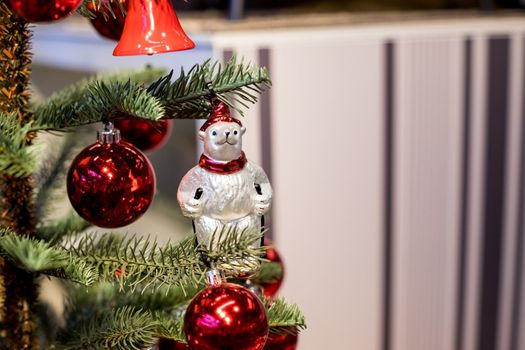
(225, 191)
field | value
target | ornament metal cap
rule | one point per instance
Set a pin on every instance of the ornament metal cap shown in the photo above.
(215, 277)
(108, 135)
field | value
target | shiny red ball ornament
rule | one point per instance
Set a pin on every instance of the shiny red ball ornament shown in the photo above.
(226, 316)
(144, 134)
(284, 341)
(110, 183)
(270, 289)
(44, 10)
(107, 24)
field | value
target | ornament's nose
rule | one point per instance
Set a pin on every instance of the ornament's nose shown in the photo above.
(227, 133)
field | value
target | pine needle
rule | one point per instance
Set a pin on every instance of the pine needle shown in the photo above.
(269, 273)
(37, 256)
(104, 7)
(17, 157)
(188, 96)
(30, 254)
(282, 314)
(74, 105)
(125, 328)
(140, 263)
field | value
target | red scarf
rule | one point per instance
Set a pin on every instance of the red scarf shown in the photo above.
(218, 167)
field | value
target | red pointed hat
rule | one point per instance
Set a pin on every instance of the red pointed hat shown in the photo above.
(220, 113)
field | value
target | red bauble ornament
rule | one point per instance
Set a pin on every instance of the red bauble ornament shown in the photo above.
(110, 183)
(106, 24)
(144, 134)
(270, 289)
(44, 10)
(169, 344)
(285, 341)
(226, 316)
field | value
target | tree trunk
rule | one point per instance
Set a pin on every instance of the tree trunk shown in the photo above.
(18, 289)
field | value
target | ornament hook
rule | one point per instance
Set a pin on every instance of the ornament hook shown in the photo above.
(212, 94)
(215, 277)
(109, 134)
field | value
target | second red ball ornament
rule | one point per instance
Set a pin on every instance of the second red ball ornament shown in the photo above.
(44, 10)
(144, 134)
(284, 341)
(270, 289)
(110, 183)
(225, 316)
(109, 25)
(169, 344)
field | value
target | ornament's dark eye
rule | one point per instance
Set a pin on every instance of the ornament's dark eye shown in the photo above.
(235, 132)
(214, 133)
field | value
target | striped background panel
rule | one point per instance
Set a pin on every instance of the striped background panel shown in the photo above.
(397, 154)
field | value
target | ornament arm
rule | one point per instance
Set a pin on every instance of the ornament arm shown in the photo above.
(261, 178)
(189, 194)
(263, 188)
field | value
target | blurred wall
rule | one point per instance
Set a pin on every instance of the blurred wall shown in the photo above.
(396, 153)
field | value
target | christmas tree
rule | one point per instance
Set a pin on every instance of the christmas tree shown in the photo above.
(125, 291)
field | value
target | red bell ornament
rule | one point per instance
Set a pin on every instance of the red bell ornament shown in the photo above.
(107, 24)
(110, 183)
(44, 10)
(151, 27)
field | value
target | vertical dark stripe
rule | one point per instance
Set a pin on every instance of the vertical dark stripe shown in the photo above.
(463, 233)
(389, 193)
(235, 9)
(486, 5)
(518, 268)
(498, 76)
(227, 55)
(266, 128)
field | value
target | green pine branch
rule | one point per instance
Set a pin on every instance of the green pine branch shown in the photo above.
(30, 254)
(270, 272)
(85, 11)
(109, 97)
(116, 99)
(73, 106)
(105, 294)
(188, 96)
(125, 328)
(37, 256)
(93, 317)
(140, 263)
(165, 306)
(17, 158)
(282, 314)
(77, 271)
(172, 328)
